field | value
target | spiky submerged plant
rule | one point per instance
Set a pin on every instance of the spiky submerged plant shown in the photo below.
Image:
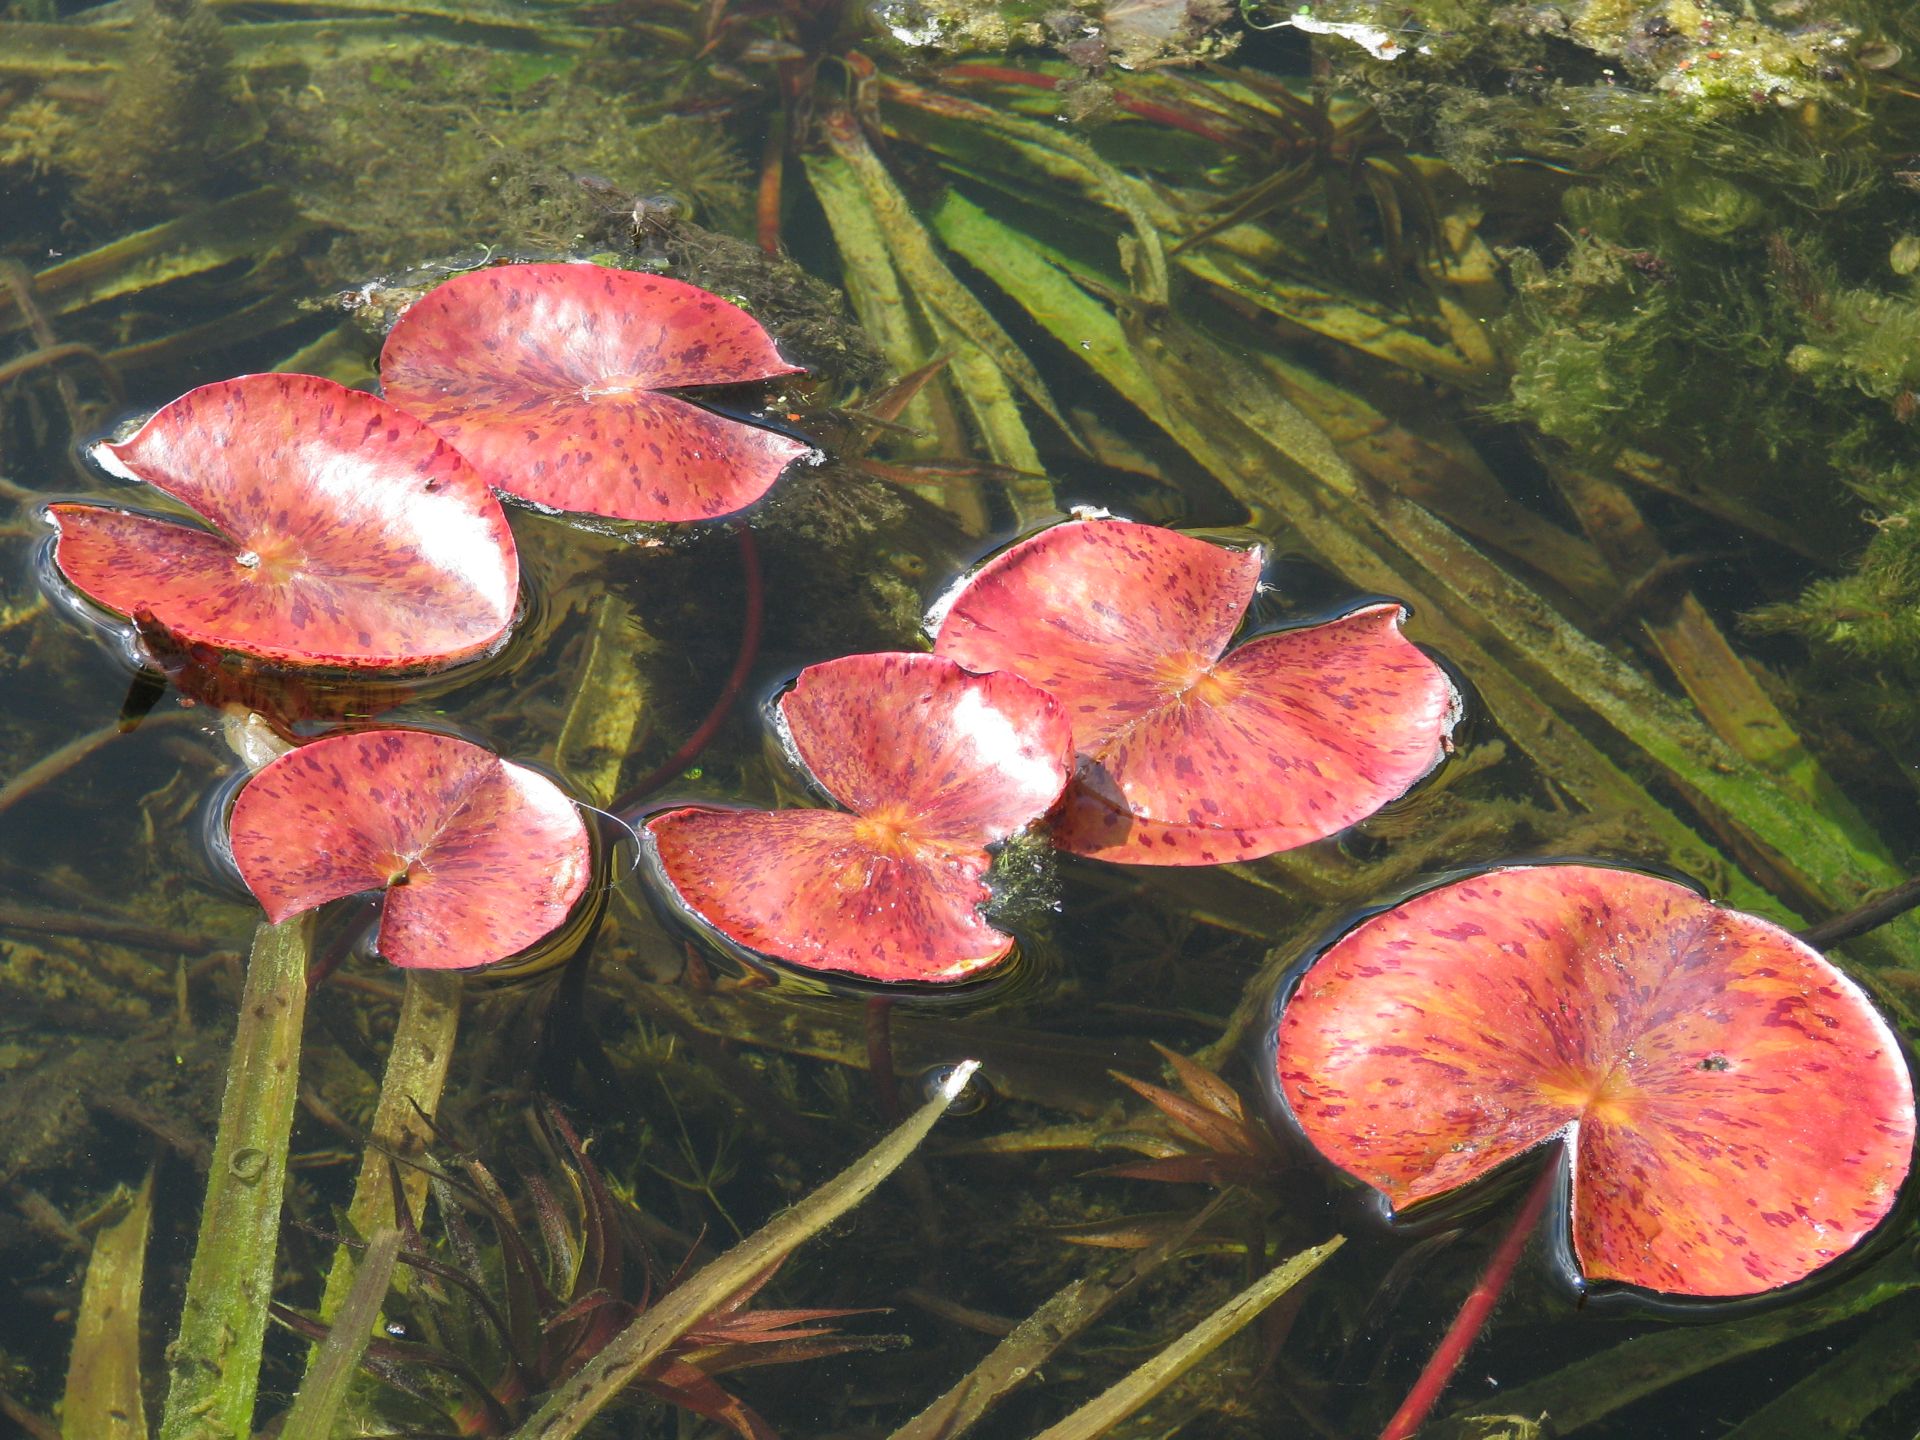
(532, 1314)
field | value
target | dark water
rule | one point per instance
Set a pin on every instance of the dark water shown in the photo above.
(199, 215)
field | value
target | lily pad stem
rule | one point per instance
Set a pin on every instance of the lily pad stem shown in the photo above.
(743, 660)
(1474, 1313)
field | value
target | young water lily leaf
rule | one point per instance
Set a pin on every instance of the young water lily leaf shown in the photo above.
(1739, 1114)
(1193, 753)
(480, 858)
(933, 764)
(553, 381)
(339, 530)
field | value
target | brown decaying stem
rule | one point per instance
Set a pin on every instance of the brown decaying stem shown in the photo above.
(52, 766)
(880, 1056)
(766, 200)
(33, 920)
(1858, 921)
(1472, 1319)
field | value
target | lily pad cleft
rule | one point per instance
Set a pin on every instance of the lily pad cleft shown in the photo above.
(932, 765)
(1192, 750)
(339, 531)
(555, 381)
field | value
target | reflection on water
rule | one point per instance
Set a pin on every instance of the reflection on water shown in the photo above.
(1590, 336)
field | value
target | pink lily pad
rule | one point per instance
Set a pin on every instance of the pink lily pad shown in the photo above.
(1193, 753)
(341, 531)
(553, 381)
(480, 858)
(933, 765)
(1739, 1114)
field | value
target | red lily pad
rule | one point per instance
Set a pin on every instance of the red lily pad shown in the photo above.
(480, 858)
(1193, 753)
(1739, 1114)
(341, 531)
(552, 379)
(933, 764)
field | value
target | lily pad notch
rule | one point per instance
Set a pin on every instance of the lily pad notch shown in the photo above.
(1734, 1113)
(932, 765)
(336, 531)
(1194, 750)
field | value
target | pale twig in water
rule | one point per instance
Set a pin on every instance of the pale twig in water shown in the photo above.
(628, 1354)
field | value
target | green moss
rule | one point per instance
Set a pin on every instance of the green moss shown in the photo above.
(1865, 339)
(430, 154)
(1587, 346)
(172, 128)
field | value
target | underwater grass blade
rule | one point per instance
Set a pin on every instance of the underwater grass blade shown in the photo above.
(956, 308)
(246, 227)
(215, 1356)
(416, 1073)
(1102, 182)
(1590, 1390)
(872, 283)
(1034, 1341)
(1842, 1395)
(1431, 460)
(627, 1356)
(1715, 678)
(1340, 316)
(103, 1399)
(890, 316)
(338, 1356)
(1115, 1404)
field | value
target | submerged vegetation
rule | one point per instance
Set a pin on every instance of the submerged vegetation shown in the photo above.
(1589, 330)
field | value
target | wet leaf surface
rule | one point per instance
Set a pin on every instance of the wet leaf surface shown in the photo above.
(932, 764)
(342, 531)
(1193, 753)
(480, 858)
(1743, 1115)
(553, 381)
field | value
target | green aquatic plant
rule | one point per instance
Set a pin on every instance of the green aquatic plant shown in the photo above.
(489, 1326)
(169, 128)
(1019, 238)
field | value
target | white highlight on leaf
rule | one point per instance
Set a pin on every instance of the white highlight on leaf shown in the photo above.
(999, 745)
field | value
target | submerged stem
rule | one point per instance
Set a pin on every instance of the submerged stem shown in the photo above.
(750, 626)
(1851, 924)
(1472, 1319)
(338, 1357)
(416, 1073)
(215, 1357)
